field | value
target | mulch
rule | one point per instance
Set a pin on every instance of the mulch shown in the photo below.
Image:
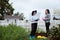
(41, 34)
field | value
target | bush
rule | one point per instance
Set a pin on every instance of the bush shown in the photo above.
(55, 33)
(12, 32)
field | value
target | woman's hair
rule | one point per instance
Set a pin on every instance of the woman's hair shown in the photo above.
(33, 12)
(48, 11)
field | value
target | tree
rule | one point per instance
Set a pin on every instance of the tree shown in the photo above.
(16, 14)
(22, 16)
(6, 8)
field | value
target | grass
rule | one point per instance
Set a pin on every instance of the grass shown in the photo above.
(13, 32)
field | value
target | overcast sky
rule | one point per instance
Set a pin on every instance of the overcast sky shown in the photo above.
(26, 6)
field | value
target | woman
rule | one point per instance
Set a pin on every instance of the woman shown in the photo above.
(47, 20)
(34, 21)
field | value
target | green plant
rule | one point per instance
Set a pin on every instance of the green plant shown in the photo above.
(13, 32)
(55, 33)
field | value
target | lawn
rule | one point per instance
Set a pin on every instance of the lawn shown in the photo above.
(13, 32)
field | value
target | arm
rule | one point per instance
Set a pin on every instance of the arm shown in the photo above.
(36, 19)
(31, 19)
(47, 17)
(54, 18)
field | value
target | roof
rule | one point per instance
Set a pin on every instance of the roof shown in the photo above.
(11, 17)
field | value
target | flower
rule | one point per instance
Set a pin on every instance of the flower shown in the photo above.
(41, 36)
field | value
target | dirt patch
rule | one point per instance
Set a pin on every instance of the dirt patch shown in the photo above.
(41, 34)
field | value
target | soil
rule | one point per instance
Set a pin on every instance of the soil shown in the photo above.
(41, 34)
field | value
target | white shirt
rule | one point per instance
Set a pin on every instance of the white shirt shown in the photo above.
(33, 18)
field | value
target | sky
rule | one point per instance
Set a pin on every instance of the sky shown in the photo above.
(27, 6)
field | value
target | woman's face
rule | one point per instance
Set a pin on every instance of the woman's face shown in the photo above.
(34, 13)
(46, 12)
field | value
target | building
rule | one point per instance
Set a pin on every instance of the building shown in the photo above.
(10, 20)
